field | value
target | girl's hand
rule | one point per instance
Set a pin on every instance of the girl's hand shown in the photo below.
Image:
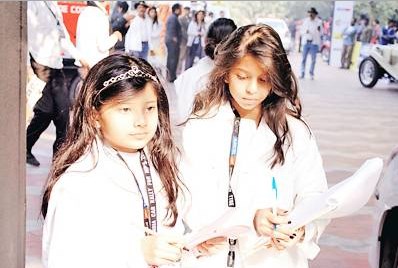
(295, 238)
(162, 249)
(266, 224)
(211, 246)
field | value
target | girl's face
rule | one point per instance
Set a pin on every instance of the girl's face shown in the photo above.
(249, 85)
(152, 13)
(201, 16)
(129, 125)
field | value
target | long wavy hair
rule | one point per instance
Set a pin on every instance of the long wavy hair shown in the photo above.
(263, 43)
(82, 130)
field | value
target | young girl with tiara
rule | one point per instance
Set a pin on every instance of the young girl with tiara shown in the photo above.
(113, 198)
(246, 146)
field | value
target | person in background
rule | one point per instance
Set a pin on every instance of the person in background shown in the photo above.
(157, 48)
(173, 41)
(367, 32)
(311, 30)
(92, 33)
(184, 20)
(349, 34)
(196, 38)
(47, 40)
(138, 35)
(195, 79)
(388, 33)
(120, 22)
(376, 32)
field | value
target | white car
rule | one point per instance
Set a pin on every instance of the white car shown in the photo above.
(281, 28)
(384, 245)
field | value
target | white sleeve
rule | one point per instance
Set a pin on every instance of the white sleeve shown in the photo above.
(104, 40)
(75, 235)
(192, 29)
(32, 21)
(311, 180)
(66, 43)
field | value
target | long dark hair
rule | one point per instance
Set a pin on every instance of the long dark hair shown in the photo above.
(218, 30)
(82, 131)
(155, 20)
(263, 43)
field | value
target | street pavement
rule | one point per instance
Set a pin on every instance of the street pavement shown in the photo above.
(350, 123)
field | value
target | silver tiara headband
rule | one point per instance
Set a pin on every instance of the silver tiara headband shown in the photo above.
(133, 72)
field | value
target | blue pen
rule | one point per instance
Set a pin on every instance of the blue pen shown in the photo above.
(275, 195)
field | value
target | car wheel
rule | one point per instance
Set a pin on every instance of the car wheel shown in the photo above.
(369, 72)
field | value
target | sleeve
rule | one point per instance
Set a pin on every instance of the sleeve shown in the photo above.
(66, 43)
(311, 180)
(104, 40)
(32, 21)
(192, 30)
(76, 235)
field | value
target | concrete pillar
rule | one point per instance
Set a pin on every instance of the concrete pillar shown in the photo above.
(12, 133)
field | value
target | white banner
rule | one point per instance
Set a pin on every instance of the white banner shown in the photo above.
(342, 17)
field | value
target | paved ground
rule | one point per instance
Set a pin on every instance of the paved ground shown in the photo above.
(351, 124)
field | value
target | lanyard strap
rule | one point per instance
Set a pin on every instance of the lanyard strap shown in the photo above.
(150, 214)
(231, 197)
(52, 12)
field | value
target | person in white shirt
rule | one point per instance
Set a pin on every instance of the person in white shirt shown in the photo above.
(113, 198)
(92, 33)
(311, 30)
(138, 35)
(157, 50)
(195, 79)
(47, 40)
(196, 38)
(245, 132)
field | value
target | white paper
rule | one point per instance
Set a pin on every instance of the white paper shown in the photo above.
(342, 199)
(230, 225)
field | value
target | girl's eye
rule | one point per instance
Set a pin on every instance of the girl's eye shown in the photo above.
(264, 80)
(241, 77)
(125, 109)
(151, 108)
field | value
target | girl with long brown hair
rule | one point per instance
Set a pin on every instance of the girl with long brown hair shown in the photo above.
(115, 179)
(246, 147)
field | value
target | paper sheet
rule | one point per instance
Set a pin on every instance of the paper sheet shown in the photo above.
(230, 225)
(342, 199)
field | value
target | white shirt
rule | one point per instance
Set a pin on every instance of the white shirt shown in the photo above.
(95, 214)
(46, 40)
(190, 83)
(314, 28)
(139, 31)
(156, 29)
(205, 147)
(193, 30)
(92, 34)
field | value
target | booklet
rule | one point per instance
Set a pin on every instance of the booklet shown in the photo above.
(231, 224)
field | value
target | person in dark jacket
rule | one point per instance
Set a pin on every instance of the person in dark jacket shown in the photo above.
(173, 41)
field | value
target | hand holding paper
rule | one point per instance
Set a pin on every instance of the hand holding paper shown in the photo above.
(229, 225)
